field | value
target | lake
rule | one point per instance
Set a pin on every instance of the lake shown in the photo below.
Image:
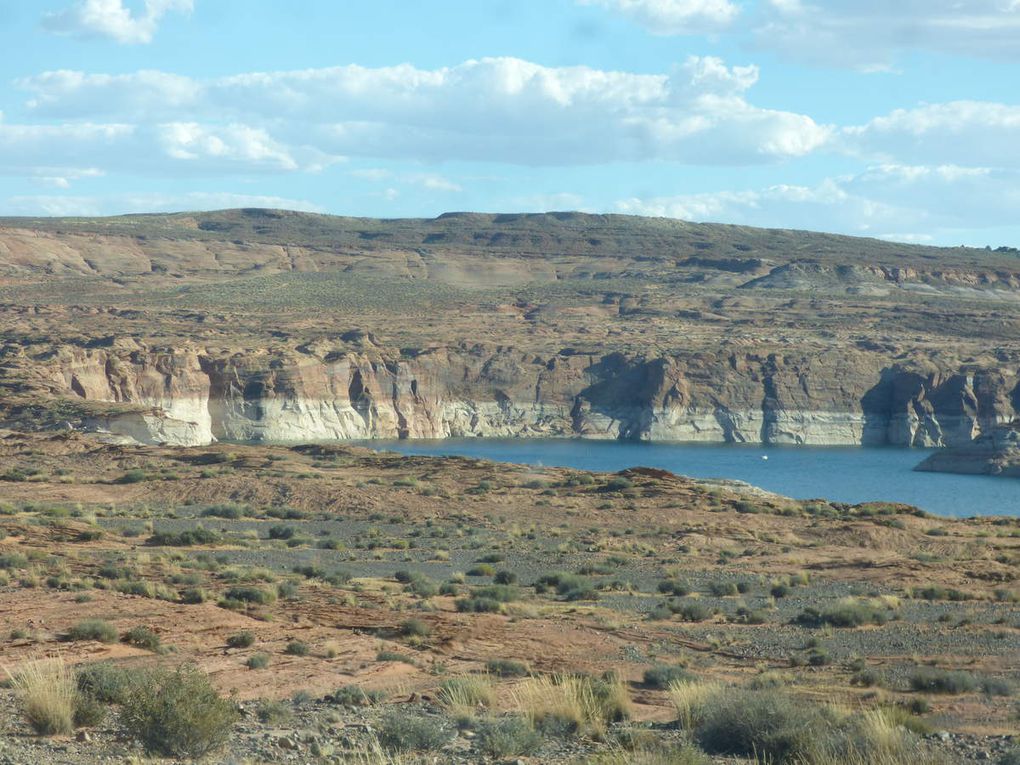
(844, 474)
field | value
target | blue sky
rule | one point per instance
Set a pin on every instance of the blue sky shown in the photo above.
(899, 120)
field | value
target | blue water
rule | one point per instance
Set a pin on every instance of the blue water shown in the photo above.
(843, 474)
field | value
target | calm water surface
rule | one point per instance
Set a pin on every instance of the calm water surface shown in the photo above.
(844, 474)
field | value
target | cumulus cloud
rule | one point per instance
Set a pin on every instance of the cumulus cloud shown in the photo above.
(674, 17)
(868, 34)
(193, 142)
(904, 202)
(495, 109)
(112, 20)
(976, 133)
(434, 182)
(162, 149)
(863, 34)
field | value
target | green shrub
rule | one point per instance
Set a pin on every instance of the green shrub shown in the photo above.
(258, 661)
(195, 595)
(12, 561)
(866, 678)
(932, 680)
(569, 587)
(479, 606)
(779, 590)
(844, 614)
(507, 737)
(504, 593)
(506, 668)
(92, 629)
(819, 657)
(104, 681)
(133, 476)
(251, 595)
(993, 686)
(760, 724)
(415, 628)
(282, 532)
(693, 611)
(355, 696)
(661, 675)
(674, 587)
(142, 637)
(492, 558)
(936, 592)
(228, 512)
(177, 713)
(660, 613)
(188, 538)
(723, 589)
(422, 587)
(88, 711)
(275, 713)
(404, 732)
(393, 656)
(145, 589)
(242, 639)
(338, 578)
(297, 648)
(483, 569)
(745, 615)
(288, 590)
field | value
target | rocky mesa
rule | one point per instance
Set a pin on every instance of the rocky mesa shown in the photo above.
(258, 325)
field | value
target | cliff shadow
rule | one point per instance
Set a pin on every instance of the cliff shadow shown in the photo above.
(878, 406)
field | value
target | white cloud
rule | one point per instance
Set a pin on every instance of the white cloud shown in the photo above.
(162, 149)
(197, 143)
(868, 34)
(60, 150)
(499, 109)
(111, 19)
(882, 201)
(65, 92)
(674, 17)
(434, 182)
(122, 204)
(967, 133)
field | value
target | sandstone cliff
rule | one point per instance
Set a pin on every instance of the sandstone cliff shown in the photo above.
(195, 396)
(997, 452)
(273, 325)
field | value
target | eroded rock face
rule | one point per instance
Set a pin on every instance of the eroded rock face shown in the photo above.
(194, 396)
(996, 452)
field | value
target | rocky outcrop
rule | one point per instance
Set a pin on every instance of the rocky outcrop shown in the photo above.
(195, 396)
(994, 453)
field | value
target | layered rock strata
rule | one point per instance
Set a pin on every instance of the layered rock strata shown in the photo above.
(994, 453)
(194, 396)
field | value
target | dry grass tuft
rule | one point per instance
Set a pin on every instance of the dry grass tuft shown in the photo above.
(688, 698)
(48, 694)
(572, 704)
(462, 696)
